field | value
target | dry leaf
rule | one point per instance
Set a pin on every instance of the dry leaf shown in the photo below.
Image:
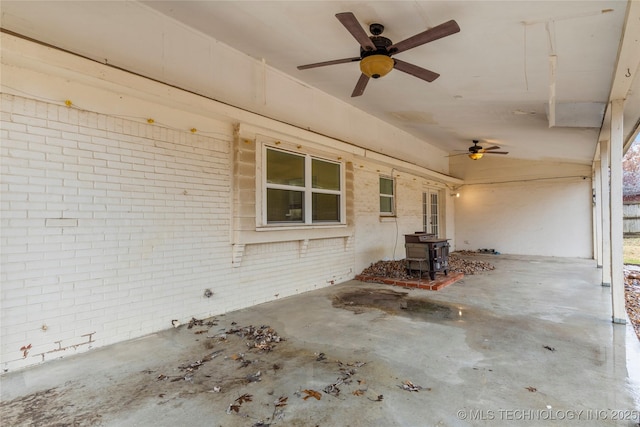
(409, 386)
(281, 402)
(531, 389)
(358, 392)
(333, 388)
(244, 398)
(25, 350)
(311, 393)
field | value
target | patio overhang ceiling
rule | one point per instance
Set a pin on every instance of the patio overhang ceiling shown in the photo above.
(534, 78)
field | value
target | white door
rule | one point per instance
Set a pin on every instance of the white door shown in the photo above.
(431, 212)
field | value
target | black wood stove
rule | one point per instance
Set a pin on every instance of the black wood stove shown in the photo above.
(426, 252)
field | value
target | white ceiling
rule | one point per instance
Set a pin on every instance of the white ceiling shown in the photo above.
(495, 76)
(495, 82)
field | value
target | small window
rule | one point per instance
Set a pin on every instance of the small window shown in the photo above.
(302, 189)
(387, 200)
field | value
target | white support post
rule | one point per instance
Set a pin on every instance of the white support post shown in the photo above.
(597, 214)
(606, 213)
(617, 275)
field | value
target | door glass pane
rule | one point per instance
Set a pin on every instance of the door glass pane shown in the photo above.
(431, 212)
(326, 207)
(285, 168)
(425, 214)
(284, 205)
(325, 175)
(434, 213)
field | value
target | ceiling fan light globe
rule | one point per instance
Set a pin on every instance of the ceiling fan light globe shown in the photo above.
(376, 66)
(475, 156)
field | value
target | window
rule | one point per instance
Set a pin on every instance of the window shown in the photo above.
(301, 189)
(387, 202)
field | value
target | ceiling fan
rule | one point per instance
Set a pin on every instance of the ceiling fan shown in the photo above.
(376, 51)
(475, 152)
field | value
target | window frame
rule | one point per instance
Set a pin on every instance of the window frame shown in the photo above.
(391, 196)
(308, 191)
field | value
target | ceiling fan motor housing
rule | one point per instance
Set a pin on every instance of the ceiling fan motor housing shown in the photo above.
(382, 43)
(376, 63)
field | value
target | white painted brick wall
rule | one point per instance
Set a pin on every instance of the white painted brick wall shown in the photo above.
(110, 228)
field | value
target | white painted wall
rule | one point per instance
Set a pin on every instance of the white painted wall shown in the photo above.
(109, 226)
(523, 207)
(113, 226)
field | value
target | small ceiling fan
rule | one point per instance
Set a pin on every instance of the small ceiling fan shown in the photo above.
(376, 51)
(475, 152)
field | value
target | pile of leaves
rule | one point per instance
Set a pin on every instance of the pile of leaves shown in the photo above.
(468, 266)
(263, 337)
(632, 297)
(398, 269)
(347, 379)
(394, 269)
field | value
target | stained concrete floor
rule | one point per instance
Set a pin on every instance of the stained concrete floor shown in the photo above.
(530, 343)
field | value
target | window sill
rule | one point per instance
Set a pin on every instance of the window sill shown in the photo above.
(390, 218)
(286, 234)
(280, 227)
(291, 233)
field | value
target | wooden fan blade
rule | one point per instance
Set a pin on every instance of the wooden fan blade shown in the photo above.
(497, 152)
(352, 25)
(435, 33)
(322, 64)
(459, 154)
(415, 71)
(494, 147)
(360, 86)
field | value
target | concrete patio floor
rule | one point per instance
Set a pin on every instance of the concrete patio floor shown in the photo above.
(529, 343)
